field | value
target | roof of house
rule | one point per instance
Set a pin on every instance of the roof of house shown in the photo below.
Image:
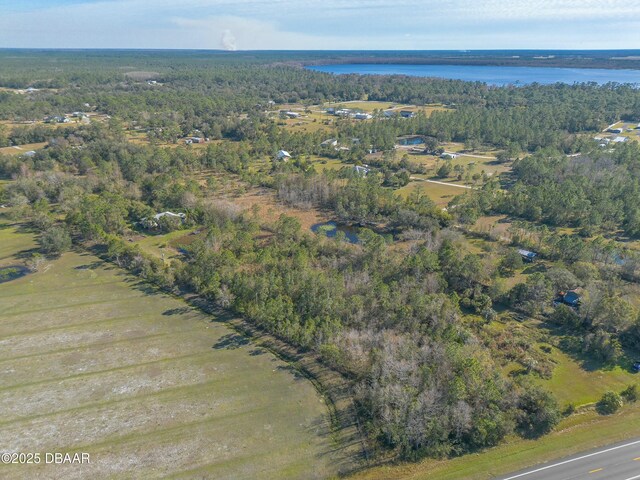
(571, 297)
(619, 139)
(527, 253)
(283, 153)
(158, 216)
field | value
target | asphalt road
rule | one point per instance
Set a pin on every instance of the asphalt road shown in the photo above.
(620, 461)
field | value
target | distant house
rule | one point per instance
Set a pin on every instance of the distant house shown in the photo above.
(390, 113)
(291, 114)
(29, 154)
(57, 119)
(527, 256)
(449, 156)
(407, 114)
(283, 155)
(331, 111)
(619, 140)
(571, 298)
(361, 170)
(615, 130)
(153, 222)
(330, 142)
(362, 116)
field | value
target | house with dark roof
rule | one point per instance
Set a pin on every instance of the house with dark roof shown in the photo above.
(571, 298)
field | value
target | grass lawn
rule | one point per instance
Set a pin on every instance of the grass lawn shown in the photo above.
(21, 149)
(94, 361)
(440, 194)
(579, 384)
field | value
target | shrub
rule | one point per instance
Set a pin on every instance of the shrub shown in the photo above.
(609, 403)
(630, 394)
(55, 241)
(539, 412)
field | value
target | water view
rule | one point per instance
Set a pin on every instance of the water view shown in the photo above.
(492, 75)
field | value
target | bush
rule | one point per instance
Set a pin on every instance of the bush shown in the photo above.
(55, 241)
(539, 412)
(609, 403)
(630, 394)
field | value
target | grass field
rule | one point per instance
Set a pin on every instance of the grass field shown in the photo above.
(93, 361)
(21, 149)
(440, 194)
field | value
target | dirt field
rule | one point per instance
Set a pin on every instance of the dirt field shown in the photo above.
(93, 361)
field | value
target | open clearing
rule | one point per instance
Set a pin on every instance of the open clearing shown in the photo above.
(93, 361)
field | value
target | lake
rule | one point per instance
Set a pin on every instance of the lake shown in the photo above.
(492, 75)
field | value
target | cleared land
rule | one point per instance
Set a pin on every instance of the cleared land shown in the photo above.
(93, 361)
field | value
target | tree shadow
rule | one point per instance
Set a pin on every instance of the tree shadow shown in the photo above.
(177, 311)
(231, 341)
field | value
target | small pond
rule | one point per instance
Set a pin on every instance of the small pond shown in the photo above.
(12, 273)
(410, 141)
(331, 229)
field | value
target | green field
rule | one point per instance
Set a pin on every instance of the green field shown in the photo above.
(440, 194)
(94, 361)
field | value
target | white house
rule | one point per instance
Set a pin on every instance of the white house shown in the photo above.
(330, 142)
(361, 170)
(619, 139)
(283, 155)
(362, 116)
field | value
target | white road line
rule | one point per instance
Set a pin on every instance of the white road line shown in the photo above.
(633, 478)
(576, 459)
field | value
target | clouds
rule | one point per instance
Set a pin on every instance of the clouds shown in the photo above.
(329, 24)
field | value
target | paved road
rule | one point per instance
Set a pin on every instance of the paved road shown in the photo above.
(616, 462)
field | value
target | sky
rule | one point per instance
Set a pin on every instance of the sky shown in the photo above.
(321, 24)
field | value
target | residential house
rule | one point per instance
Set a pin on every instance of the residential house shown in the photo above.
(283, 155)
(527, 256)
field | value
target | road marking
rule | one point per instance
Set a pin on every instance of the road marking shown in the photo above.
(596, 470)
(633, 478)
(576, 459)
(637, 459)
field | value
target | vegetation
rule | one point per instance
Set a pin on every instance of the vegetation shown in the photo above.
(444, 335)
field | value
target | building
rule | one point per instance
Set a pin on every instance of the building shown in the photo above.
(527, 256)
(57, 119)
(153, 222)
(615, 130)
(362, 116)
(330, 142)
(407, 114)
(283, 155)
(362, 171)
(291, 114)
(571, 298)
(619, 140)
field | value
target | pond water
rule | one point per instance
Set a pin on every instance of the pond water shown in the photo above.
(411, 141)
(491, 74)
(331, 229)
(12, 273)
